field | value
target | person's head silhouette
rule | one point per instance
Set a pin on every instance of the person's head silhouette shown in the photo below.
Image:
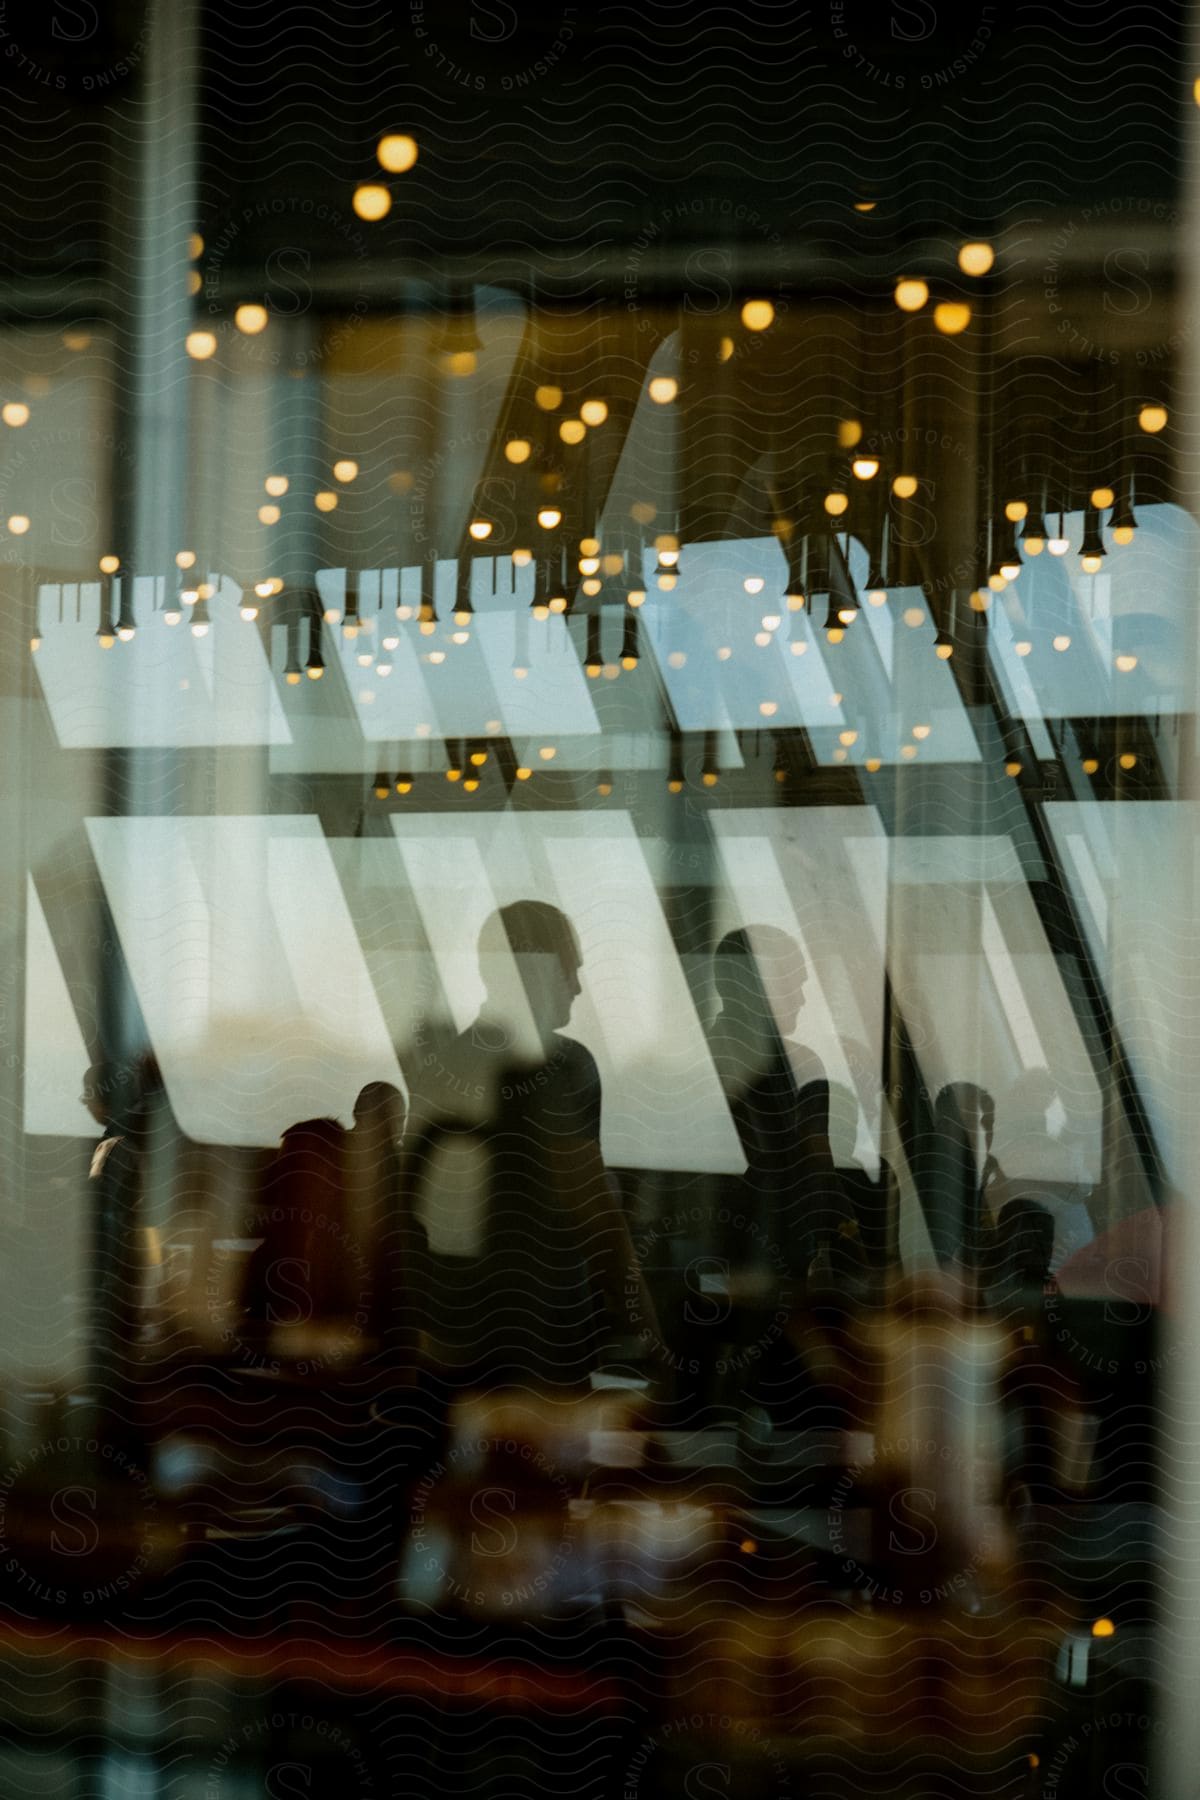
(380, 1110)
(963, 1107)
(529, 957)
(760, 975)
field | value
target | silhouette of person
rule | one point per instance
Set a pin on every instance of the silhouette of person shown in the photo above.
(100, 1095)
(1024, 1248)
(543, 1283)
(307, 1270)
(777, 1091)
(963, 1184)
(382, 1221)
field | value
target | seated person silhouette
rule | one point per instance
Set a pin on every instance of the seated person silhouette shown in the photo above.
(306, 1289)
(777, 1091)
(1024, 1246)
(530, 1255)
(390, 1239)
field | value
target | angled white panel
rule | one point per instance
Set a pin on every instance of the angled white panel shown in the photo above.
(247, 969)
(55, 1054)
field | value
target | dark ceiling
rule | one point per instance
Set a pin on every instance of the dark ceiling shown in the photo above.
(563, 134)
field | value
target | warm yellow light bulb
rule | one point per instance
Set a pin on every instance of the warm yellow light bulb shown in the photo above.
(836, 504)
(276, 485)
(345, 469)
(865, 467)
(372, 201)
(548, 517)
(548, 397)
(325, 501)
(480, 529)
(757, 315)
(1123, 534)
(976, 258)
(1125, 662)
(1016, 510)
(911, 294)
(397, 152)
(1102, 496)
(1033, 546)
(268, 515)
(18, 524)
(15, 413)
(517, 450)
(572, 431)
(952, 316)
(251, 319)
(594, 412)
(904, 487)
(200, 345)
(849, 433)
(109, 564)
(1127, 760)
(663, 389)
(1152, 418)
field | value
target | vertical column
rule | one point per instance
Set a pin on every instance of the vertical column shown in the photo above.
(1177, 1746)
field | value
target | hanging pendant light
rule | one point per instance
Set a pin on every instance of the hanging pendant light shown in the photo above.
(1091, 551)
(675, 765)
(710, 770)
(106, 635)
(427, 619)
(1123, 521)
(292, 672)
(457, 344)
(876, 589)
(464, 612)
(666, 572)
(126, 622)
(796, 588)
(314, 668)
(561, 602)
(1008, 557)
(629, 642)
(593, 662)
(350, 617)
